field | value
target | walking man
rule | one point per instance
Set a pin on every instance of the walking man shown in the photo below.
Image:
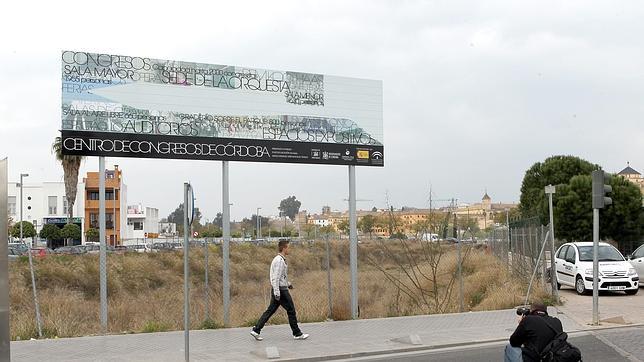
(280, 295)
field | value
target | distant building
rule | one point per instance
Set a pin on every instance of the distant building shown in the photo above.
(142, 222)
(633, 176)
(167, 229)
(485, 211)
(115, 204)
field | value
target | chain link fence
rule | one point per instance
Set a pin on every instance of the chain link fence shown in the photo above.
(396, 277)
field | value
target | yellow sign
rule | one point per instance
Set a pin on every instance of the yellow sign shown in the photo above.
(363, 154)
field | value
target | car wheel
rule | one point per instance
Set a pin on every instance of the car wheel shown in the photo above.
(579, 286)
(632, 292)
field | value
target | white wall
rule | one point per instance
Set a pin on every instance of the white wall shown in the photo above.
(39, 193)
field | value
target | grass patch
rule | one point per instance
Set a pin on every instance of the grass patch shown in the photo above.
(155, 326)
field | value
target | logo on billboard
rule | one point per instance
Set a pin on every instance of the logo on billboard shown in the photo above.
(377, 155)
(363, 154)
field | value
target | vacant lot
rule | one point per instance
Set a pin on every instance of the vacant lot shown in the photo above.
(146, 290)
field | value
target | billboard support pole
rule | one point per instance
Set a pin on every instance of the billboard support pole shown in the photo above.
(186, 272)
(103, 247)
(226, 242)
(353, 242)
(5, 335)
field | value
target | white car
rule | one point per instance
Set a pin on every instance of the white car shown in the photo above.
(637, 261)
(574, 263)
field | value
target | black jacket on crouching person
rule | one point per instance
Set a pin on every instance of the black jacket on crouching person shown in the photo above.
(533, 334)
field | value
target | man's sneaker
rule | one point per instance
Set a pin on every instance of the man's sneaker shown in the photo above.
(301, 336)
(256, 335)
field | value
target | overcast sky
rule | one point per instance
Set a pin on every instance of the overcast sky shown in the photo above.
(473, 94)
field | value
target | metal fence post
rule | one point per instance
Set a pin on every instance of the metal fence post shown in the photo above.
(207, 296)
(328, 277)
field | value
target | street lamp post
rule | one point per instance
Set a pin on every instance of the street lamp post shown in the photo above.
(259, 224)
(22, 175)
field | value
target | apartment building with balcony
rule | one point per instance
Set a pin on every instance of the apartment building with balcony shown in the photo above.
(115, 204)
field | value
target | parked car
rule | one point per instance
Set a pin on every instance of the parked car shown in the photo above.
(70, 250)
(637, 261)
(40, 251)
(574, 266)
(13, 253)
(91, 248)
(138, 248)
(21, 248)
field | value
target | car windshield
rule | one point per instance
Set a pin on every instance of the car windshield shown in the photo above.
(605, 253)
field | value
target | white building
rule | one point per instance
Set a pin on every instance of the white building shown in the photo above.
(44, 203)
(142, 222)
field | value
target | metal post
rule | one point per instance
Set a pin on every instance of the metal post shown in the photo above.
(507, 221)
(186, 272)
(226, 242)
(207, 297)
(460, 267)
(353, 242)
(553, 272)
(31, 263)
(102, 254)
(595, 266)
(328, 277)
(5, 334)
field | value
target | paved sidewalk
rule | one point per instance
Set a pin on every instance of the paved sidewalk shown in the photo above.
(328, 340)
(615, 308)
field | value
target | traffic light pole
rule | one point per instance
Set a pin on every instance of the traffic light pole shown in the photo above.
(595, 267)
(599, 191)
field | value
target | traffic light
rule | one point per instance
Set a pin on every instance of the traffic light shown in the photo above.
(600, 189)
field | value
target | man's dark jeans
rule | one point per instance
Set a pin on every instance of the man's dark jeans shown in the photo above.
(287, 303)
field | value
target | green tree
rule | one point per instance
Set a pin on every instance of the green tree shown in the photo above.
(290, 206)
(71, 232)
(624, 219)
(177, 217)
(71, 166)
(92, 235)
(366, 224)
(555, 170)
(573, 213)
(343, 226)
(51, 232)
(28, 230)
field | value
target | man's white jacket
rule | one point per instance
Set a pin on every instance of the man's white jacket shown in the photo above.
(279, 270)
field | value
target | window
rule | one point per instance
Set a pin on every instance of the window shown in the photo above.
(109, 195)
(12, 205)
(92, 195)
(65, 206)
(639, 253)
(562, 252)
(109, 221)
(570, 255)
(52, 201)
(93, 220)
(605, 253)
(138, 225)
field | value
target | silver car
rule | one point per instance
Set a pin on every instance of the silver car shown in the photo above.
(637, 261)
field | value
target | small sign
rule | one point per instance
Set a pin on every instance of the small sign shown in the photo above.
(195, 234)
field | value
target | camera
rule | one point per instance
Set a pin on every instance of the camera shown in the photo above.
(523, 310)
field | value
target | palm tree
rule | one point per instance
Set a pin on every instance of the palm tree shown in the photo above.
(71, 166)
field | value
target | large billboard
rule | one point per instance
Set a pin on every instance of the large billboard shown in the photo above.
(125, 106)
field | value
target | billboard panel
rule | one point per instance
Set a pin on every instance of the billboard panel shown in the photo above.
(123, 106)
